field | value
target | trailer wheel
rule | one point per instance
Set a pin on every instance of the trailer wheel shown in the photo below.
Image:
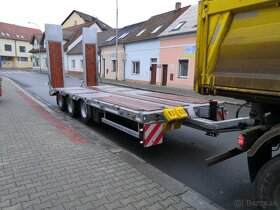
(71, 107)
(85, 112)
(61, 103)
(267, 184)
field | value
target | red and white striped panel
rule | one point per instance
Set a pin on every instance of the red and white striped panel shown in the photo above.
(153, 134)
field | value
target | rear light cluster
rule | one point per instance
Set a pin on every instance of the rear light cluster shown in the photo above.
(241, 140)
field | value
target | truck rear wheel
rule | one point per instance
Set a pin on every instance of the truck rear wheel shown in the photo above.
(61, 103)
(267, 184)
(85, 112)
(71, 107)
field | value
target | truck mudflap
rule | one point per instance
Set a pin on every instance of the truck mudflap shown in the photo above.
(153, 134)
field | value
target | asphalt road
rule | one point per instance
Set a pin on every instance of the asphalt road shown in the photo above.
(181, 156)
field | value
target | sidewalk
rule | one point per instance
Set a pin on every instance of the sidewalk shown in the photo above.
(45, 163)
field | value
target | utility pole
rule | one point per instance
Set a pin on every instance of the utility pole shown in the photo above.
(39, 45)
(117, 62)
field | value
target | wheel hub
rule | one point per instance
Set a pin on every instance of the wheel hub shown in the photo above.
(84, 110)
(60, 100)
(70, 106)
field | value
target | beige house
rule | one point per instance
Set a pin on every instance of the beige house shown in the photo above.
(15, 45)
(76, 18)
(109, 64)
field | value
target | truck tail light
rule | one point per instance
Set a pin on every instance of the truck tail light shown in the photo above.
(241, 140)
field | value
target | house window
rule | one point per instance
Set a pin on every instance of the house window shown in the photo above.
(153, 60)
(73, 64)
(110, 39)
(123, 35)
(46, 62)
(22, 49)
(178, 26)
(37, 62)
(7, 58)
(141, 32)
(82, 63)
(22, 59)
(8, 47)
(114, 62)
(136, 67)
(183, 68)
(156, 29)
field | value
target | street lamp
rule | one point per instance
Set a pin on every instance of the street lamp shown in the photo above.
(39, 44)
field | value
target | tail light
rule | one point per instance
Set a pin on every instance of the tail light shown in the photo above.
(241, 140)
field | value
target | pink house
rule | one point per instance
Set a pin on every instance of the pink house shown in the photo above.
(177, 51)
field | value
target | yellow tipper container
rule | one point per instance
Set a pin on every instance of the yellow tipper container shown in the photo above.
(238, 49)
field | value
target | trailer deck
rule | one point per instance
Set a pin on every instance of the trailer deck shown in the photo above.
(136, 104)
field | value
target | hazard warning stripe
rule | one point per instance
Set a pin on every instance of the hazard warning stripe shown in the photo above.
(219, 116)
(153, 134)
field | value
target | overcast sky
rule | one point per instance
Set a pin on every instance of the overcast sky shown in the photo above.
(21, 12)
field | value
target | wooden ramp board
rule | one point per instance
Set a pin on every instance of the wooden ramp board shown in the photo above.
(132, 93)
(185, 99)
(130, 103)
(111, 89)
(163, 102)
(56, 65)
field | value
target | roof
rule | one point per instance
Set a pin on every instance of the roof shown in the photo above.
(85, 17)
(37, 37)
(16, 32)
(187, 21)
(77, 31)
(88, 18)
(101, 37)
(42, 49)
(156, 24)
(123, 33)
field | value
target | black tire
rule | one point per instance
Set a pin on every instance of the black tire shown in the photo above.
(85, 112)
(71, 107)
(267, 184)
(61, 102)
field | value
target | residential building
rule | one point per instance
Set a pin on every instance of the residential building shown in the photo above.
(114, 66)
(75, 22)
(15, 45)
(142, 48)
(177, 51)
(39, 55)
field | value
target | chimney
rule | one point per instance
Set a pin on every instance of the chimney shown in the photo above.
(178, 5)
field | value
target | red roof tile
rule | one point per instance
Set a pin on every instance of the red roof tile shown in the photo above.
(15, 32)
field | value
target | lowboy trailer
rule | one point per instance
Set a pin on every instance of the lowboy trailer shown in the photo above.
(143, 114)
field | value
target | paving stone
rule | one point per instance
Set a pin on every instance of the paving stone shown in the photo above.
(14, 207)
(15, 201)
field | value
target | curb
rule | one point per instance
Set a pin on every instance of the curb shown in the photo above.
(177, 188)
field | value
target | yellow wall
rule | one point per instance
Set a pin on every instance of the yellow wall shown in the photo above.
(108, 53)
(2, 47)
(15, 53)
(71, 21)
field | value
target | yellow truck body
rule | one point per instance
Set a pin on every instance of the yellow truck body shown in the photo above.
(238, 49)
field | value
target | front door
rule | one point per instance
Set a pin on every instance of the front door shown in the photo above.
(164, 75)
(153, 74)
